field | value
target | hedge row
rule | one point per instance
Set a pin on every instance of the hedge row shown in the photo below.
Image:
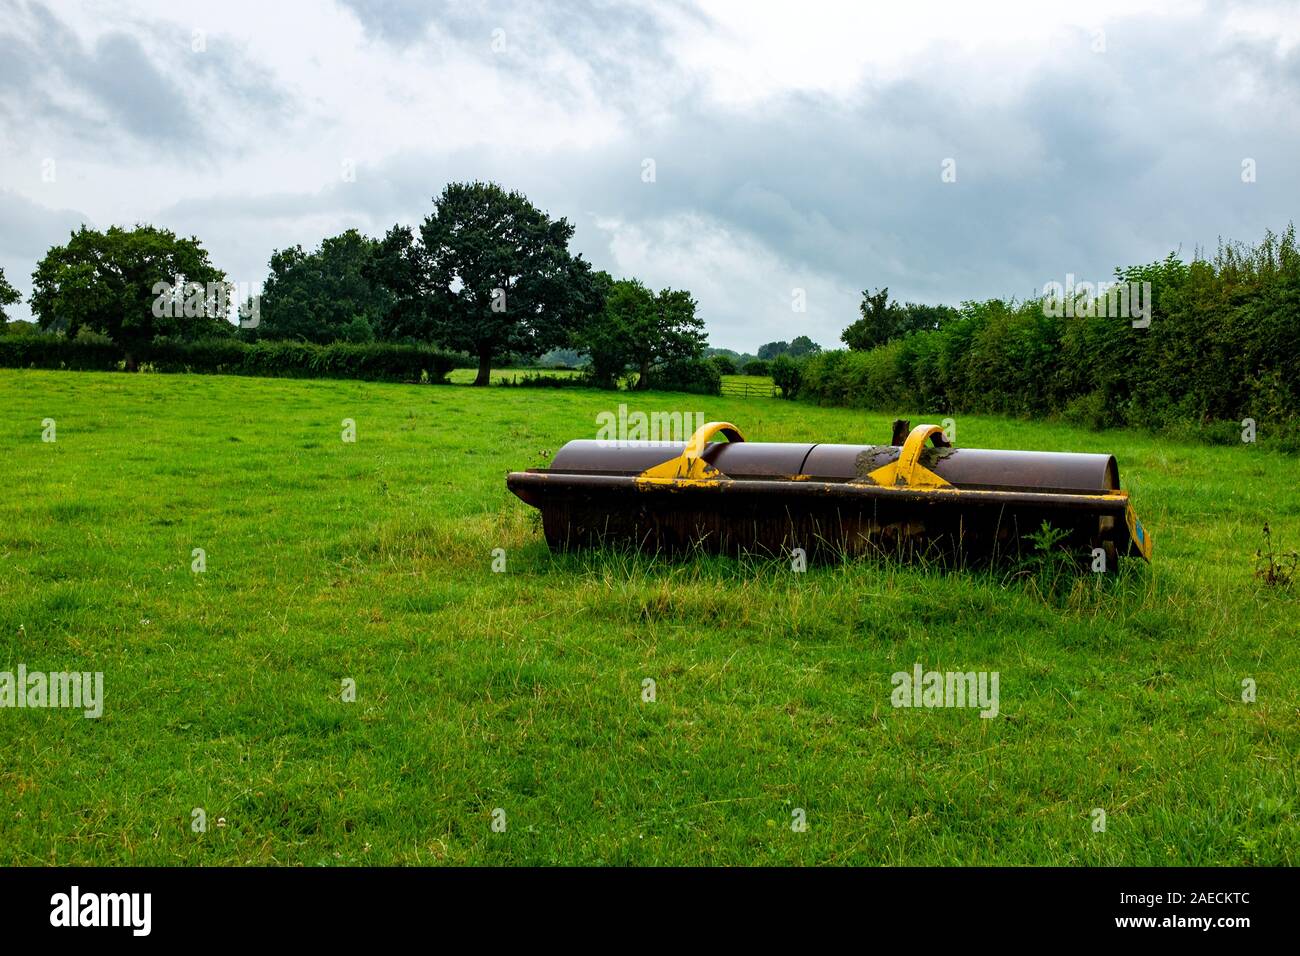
(1222, 345)
(699, 376)
(374, 361)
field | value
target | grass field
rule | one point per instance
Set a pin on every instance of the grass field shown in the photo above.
(522, 691)
(465, 376)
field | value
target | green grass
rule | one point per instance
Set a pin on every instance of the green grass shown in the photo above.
(748, 379)
(464, 376)
(522, 691)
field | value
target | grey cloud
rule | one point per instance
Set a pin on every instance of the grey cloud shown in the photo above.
(27, 229)
(1097, 161)
(136, 94)
(621, 45)
(1091, 166)
(159, 98)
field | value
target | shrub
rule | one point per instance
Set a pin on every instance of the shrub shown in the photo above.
(723, 364)
(371, 361)
(757, 367)
(1090, 411)
(1220, 347)
(787, 375)
(700, 376)
(58, 352)
(542, 380)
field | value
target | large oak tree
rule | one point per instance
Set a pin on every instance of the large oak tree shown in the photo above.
(499, 275)
(108, 282)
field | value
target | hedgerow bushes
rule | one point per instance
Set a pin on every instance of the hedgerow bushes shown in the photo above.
(1223, 344)
(700, 376)
(55, 351)
(372, 361)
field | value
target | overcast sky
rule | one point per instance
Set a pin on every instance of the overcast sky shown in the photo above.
(794, 146)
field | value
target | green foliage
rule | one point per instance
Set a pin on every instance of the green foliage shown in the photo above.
(1090, 411)
(697, 375)
(883, 321)
(1220, 347)
(543, 380)
(398, 265)
(757, 367)
(723, 364)
(740, 358)
(560, 358)
(113, 282)
(878, 324)
(800, 347)
(643, 330)
(325, 295)
(602, 336)
(18, 327)
(374, 361)
(8, 296)
(787, 375)
(1050, 569)
(58, 352)
(369, 560)
(369, 361)
(500, 275)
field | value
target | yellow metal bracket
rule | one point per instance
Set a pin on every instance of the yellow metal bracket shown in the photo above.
(908, 471)
(691, 466)
(1139, 535)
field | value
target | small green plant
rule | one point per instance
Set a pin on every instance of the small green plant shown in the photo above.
(1273, 568)
(1046, 539)
(1049, 563)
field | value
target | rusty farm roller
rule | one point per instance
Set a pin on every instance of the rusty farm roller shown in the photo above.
(916, 495)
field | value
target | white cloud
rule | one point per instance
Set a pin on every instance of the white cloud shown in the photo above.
(791, 140)
(745, 292)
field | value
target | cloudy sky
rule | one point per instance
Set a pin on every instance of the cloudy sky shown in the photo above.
(793, 146)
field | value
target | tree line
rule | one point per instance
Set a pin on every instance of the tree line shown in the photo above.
(486, 274)
(1215, 351)
(489, 276)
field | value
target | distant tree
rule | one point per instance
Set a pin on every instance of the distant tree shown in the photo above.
(757, 367)
(666, 331)
(112, 283)
(325, 295)
(560, 358)
(883, 321)
(641, 330)
(924, 318)
(879, 322)
(772, 349)
(8, 296)
(801, 346)
(501, 276)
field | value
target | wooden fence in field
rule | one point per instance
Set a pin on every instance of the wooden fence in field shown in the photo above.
(751, 390)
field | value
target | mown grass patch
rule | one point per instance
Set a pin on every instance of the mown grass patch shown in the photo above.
(523, 690)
